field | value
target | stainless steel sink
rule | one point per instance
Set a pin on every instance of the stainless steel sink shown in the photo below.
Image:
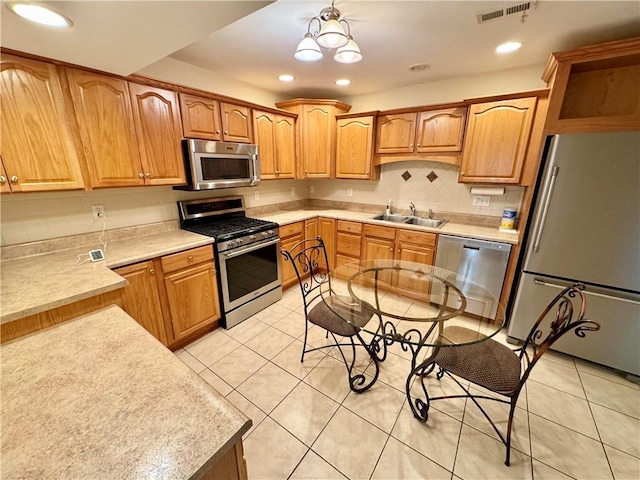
(391, 217)
(426, 222)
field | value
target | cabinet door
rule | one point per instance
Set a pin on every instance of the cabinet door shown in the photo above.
(327, 231)
(441, 130)
(318, 135)
(264, 126)
(236, 123)
(496, 141)
(200, 117)
(396, 133)
(285, 147)
(310, 229)
(354, 147)
(103, 110)
(158, 131)
(287, 273)
(419, 254)
(141, 298)
(37, 133)
(374, 248)
(193, 298)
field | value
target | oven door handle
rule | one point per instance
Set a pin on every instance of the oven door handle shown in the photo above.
(237, 253)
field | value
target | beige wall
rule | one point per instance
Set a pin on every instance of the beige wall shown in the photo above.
(451, 90)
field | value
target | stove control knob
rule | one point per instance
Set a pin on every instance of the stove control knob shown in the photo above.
(230, 244)
(265, 234)
(239, 242)
(252, 237)
(271, 232)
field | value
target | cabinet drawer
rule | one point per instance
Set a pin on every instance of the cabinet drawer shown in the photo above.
(348, 244)
(380, 232)
(351, 227)
(188, 258)
(420, 238)
(291, 229)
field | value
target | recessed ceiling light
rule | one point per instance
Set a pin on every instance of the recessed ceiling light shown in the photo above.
(286, 78)
(40, 14)
(508, 47)
(419, 67)
(343, 82)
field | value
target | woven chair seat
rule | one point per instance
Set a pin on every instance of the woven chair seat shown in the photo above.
(488, 364)
(357, 315)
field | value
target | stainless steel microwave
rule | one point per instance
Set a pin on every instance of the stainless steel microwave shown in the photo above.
(210, 165)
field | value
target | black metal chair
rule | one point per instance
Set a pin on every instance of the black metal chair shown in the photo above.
(504, 371)
(310, 262)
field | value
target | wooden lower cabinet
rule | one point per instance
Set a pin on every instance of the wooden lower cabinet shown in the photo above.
(173, 297)
(141, 298)
(391, 243)
(289, 235)
(325, 228)
(231, 466)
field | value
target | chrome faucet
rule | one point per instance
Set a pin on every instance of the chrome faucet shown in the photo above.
(430, 214)
(412, 209)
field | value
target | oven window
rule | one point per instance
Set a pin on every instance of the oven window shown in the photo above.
(253, 270)
(216, 168)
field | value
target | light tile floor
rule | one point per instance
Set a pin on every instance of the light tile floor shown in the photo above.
(575, 419)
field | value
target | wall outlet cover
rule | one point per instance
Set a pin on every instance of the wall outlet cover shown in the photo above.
(481, 200)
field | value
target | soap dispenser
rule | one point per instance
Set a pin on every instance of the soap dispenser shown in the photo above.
(388, 210)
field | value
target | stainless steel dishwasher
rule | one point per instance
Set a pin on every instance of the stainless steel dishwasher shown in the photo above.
(481, 263)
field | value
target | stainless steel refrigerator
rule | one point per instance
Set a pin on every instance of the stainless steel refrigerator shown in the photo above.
(585, 227)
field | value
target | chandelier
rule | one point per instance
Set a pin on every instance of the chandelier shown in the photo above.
(330, 35)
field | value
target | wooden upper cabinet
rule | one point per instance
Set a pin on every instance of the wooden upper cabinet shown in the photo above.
(285, 140)
(496, 141)
(38, 148)
(316, 135)
(236, 123)
(157, 125)
(102, 107)
(354, 147)
(441, 130)
(396, 133)
(275, 136)
(4, 181)
(264, 129)
(200, 117)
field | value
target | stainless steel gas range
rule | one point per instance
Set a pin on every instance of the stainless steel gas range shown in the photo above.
(247, 253)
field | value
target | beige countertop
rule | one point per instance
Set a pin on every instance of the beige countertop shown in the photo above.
(99, 397)
(458, 229)
(38, 283)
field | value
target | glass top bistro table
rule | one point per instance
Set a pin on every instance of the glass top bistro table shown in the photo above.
(420, 307)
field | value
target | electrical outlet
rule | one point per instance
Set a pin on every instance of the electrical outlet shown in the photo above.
(293, 190)
(349, 192)
(256, 195)
(311, 189)
(98, 212)
(481, 201)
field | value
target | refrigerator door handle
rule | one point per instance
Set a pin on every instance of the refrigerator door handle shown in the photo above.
(601, 295)
(545, 209)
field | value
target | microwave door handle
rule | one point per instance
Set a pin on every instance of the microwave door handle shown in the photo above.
(256, 169)
(237, 253)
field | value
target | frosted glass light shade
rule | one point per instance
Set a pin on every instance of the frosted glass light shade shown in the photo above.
(308, 50)
(350, 53)
(332, 35)
(41, 15)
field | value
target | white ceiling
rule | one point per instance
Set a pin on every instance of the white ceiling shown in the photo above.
(254, 41)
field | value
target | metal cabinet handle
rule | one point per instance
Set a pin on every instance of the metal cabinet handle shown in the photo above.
(399, 250)
(391, 248)
(226, 132)
(277, 172)
(462, 174)
(148, 175)
(190, 258)
(141, 175)
(418, 145)
(348, 227)
(348, 245)
(411, 145)
(152, 271)
(3, 179)
(14, 179)
(218, 132)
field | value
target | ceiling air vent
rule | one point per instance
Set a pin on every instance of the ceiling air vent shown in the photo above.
(495, 14)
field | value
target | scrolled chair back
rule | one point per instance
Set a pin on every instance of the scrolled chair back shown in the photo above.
(309, 260)
(570, 306)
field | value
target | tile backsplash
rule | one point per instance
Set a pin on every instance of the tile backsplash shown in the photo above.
(39, 216)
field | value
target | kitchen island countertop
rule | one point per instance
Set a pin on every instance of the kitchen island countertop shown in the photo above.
(99, 397)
